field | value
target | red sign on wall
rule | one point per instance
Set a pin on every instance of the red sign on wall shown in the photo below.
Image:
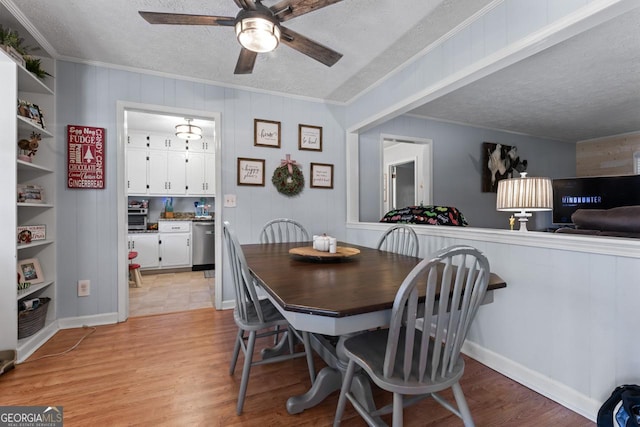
(85, 157)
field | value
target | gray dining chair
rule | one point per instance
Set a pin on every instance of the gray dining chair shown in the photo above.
(404, 360)
(282, 230)
(256, 317)
(400, 239)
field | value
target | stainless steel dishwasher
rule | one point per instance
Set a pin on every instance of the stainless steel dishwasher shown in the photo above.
(203, 249)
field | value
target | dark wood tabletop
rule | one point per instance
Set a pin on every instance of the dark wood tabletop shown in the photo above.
(359, 284)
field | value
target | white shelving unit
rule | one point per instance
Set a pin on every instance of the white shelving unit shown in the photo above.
(18, 83)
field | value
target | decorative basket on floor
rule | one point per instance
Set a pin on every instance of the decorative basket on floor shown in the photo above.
(31, 321)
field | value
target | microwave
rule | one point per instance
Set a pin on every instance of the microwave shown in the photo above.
(137, 218)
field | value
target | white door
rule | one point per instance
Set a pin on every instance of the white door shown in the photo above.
(196, 174)
(174, 143)
(200, 146)
(175, 249)
(177, 172)
(158, 172)
(137, 139)
(137, 171)
(210, 174)
(147, 247)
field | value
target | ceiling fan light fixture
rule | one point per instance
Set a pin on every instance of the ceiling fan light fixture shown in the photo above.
(188, 131)
(258, 34)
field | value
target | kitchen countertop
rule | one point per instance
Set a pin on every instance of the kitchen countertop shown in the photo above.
(193, 219)
(185, 216)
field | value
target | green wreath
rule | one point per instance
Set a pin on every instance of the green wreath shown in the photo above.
(288, 184)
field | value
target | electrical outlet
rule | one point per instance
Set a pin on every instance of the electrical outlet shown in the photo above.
(84, 288)
(229, 200)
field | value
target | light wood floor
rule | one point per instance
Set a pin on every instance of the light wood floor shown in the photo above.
(171, 292)
(172, 370)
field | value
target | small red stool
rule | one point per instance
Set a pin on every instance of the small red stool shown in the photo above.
(135, 278)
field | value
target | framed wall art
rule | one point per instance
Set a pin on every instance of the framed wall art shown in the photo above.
(309, 137)
(321, 175)
(266, 133)
(30, 271)
(30, 194)
(30, 233)
(86, 157)
(250, 171)
(499, 161)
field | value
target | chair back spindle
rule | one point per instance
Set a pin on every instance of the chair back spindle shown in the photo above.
(445, 321)
(243, 285)
(400, 239)
(282, 230)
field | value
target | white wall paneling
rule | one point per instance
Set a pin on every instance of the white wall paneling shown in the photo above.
(562, 325)
(88, 224)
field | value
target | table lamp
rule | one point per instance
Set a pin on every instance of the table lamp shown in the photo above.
(523, 195)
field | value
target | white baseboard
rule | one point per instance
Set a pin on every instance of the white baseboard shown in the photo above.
(558, 392)
(228, 304)
(31, 344)
(93, 320)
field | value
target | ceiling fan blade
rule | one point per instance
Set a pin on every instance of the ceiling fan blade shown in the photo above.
(245, 63)
(287, 9)
(246, 4)
(184, 19)
(310, 48)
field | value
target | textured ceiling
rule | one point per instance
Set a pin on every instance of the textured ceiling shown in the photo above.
(585, 87)
(375, 36)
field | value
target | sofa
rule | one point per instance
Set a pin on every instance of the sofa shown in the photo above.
(623, 221)
(426, 215)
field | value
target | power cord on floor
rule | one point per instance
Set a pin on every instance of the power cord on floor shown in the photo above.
(93, 329)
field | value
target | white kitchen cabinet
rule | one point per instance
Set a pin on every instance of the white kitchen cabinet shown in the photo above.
(175, 243)
(137, 171)
(167, 172)
(175, 250)
(201, 174)
(137, 139)
(147, 245)
(155, 141)
(173, 143)
(203, 145)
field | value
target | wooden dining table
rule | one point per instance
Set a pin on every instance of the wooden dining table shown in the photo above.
(333, 296)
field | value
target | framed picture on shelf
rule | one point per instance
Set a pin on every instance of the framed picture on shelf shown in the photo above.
(309, 138)
(321, 175)
(30, 233)
(266, 133)
(24, 109)
(250, 171)
(30, 194)
(40, 119)
(29, 271)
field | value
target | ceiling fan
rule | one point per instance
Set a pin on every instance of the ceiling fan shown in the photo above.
(258, 29)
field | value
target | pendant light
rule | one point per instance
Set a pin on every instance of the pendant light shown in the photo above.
(188, 131)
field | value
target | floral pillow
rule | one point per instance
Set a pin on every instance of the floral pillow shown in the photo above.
(432, 215)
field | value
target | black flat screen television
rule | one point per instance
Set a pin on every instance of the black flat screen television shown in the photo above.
(602, 192)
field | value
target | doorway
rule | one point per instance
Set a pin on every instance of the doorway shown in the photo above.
(123, 109)
(406, 172)
(402, 185)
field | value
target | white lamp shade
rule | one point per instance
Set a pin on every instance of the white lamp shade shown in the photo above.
(258, 34)
(188, 131)
(525, 194)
